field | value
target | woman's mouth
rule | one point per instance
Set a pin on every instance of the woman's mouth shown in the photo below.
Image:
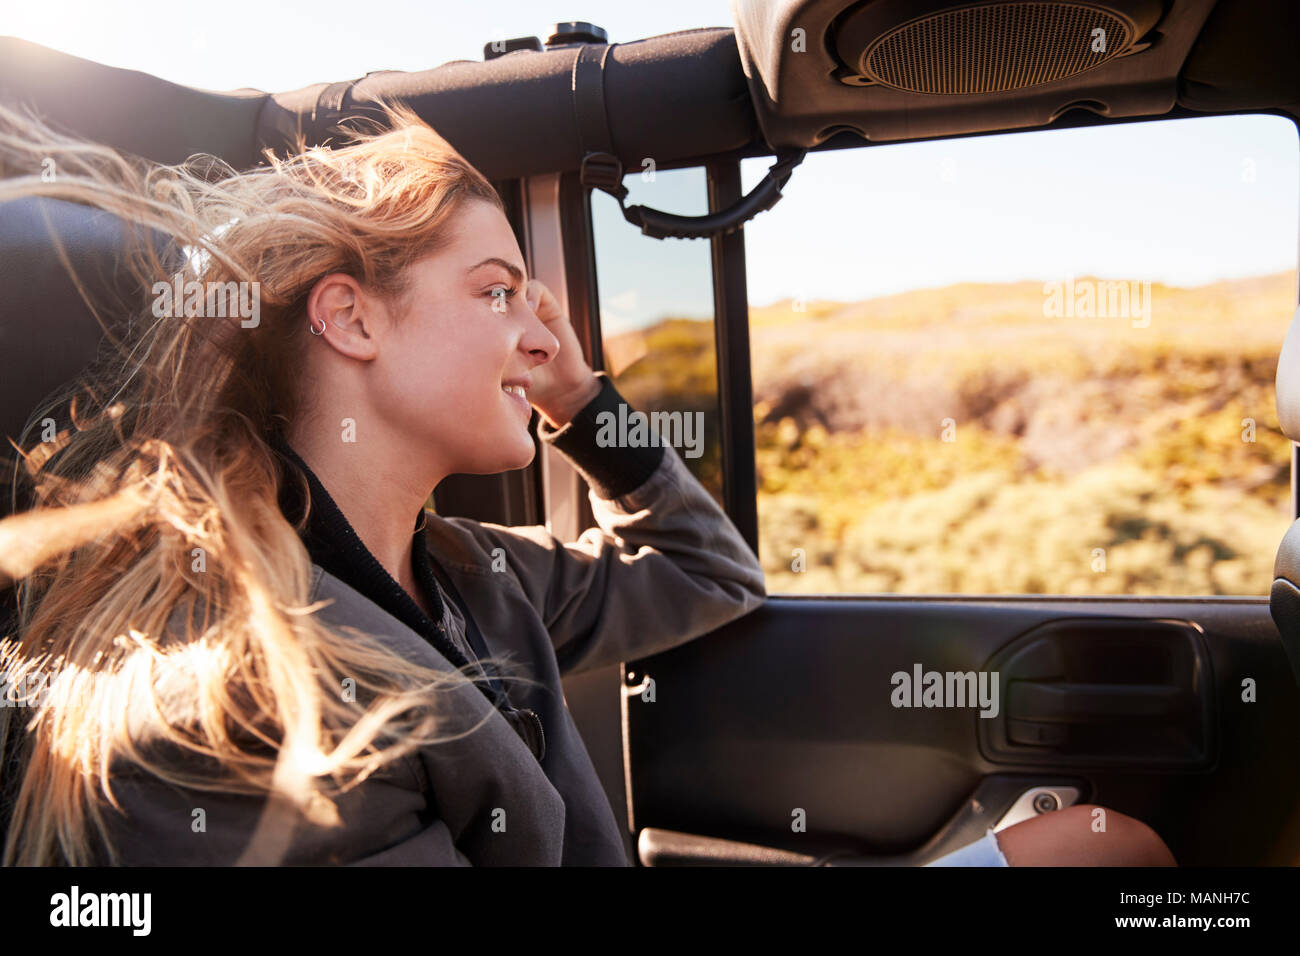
(520, 397)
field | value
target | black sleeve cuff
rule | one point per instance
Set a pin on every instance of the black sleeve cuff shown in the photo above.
(611, 471)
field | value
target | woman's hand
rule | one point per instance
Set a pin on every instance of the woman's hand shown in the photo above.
(564, 385)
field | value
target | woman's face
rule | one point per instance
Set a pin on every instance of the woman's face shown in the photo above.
(441, 365)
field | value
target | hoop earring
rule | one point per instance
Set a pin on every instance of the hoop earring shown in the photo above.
(312, 327)
(424, 521)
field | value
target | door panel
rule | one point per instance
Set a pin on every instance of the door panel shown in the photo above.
(789, 708)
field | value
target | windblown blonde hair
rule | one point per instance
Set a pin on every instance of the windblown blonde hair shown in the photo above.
(169, 452)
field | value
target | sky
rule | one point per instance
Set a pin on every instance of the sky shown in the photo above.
(1183, 202)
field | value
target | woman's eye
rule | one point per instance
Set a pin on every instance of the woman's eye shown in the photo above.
(502, 294)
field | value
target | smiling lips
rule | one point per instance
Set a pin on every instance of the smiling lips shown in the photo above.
(518, 393)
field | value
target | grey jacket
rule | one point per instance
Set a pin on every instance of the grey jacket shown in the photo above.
(665, 565)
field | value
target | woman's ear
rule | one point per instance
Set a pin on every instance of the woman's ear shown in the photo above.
(349, 317)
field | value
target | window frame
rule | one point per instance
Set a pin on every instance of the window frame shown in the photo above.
(739, 463)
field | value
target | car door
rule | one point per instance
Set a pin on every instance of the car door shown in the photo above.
(902, 689)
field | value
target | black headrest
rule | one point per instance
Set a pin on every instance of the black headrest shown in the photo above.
(48, 332)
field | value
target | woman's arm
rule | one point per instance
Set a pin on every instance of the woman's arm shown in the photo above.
(665, 564)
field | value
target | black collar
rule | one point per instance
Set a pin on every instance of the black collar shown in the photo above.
(334, 545)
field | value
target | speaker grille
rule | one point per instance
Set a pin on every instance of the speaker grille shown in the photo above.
(993, 48)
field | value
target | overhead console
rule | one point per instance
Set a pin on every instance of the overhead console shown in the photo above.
(912, 69)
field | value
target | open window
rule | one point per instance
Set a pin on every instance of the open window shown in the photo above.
(1031, 363)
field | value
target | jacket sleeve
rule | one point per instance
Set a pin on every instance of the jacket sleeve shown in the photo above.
(664, 565)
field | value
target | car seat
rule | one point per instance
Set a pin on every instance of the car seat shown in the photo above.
(1284, 598)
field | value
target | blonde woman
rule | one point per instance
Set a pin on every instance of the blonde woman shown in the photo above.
(252, 642)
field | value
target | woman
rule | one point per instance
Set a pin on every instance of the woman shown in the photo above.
(253, 644)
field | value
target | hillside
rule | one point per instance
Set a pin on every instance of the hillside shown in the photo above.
(1085, 455)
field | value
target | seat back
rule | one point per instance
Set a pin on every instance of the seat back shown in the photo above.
(48, 334)
(1284, 598)
(48, 331)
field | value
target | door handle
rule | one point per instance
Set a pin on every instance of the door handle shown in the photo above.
(1104, 692)
(1061, 702)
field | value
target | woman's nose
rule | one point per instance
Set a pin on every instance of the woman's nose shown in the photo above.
(539, 341)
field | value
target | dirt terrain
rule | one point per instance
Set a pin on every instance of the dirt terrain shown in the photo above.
(966, 440)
